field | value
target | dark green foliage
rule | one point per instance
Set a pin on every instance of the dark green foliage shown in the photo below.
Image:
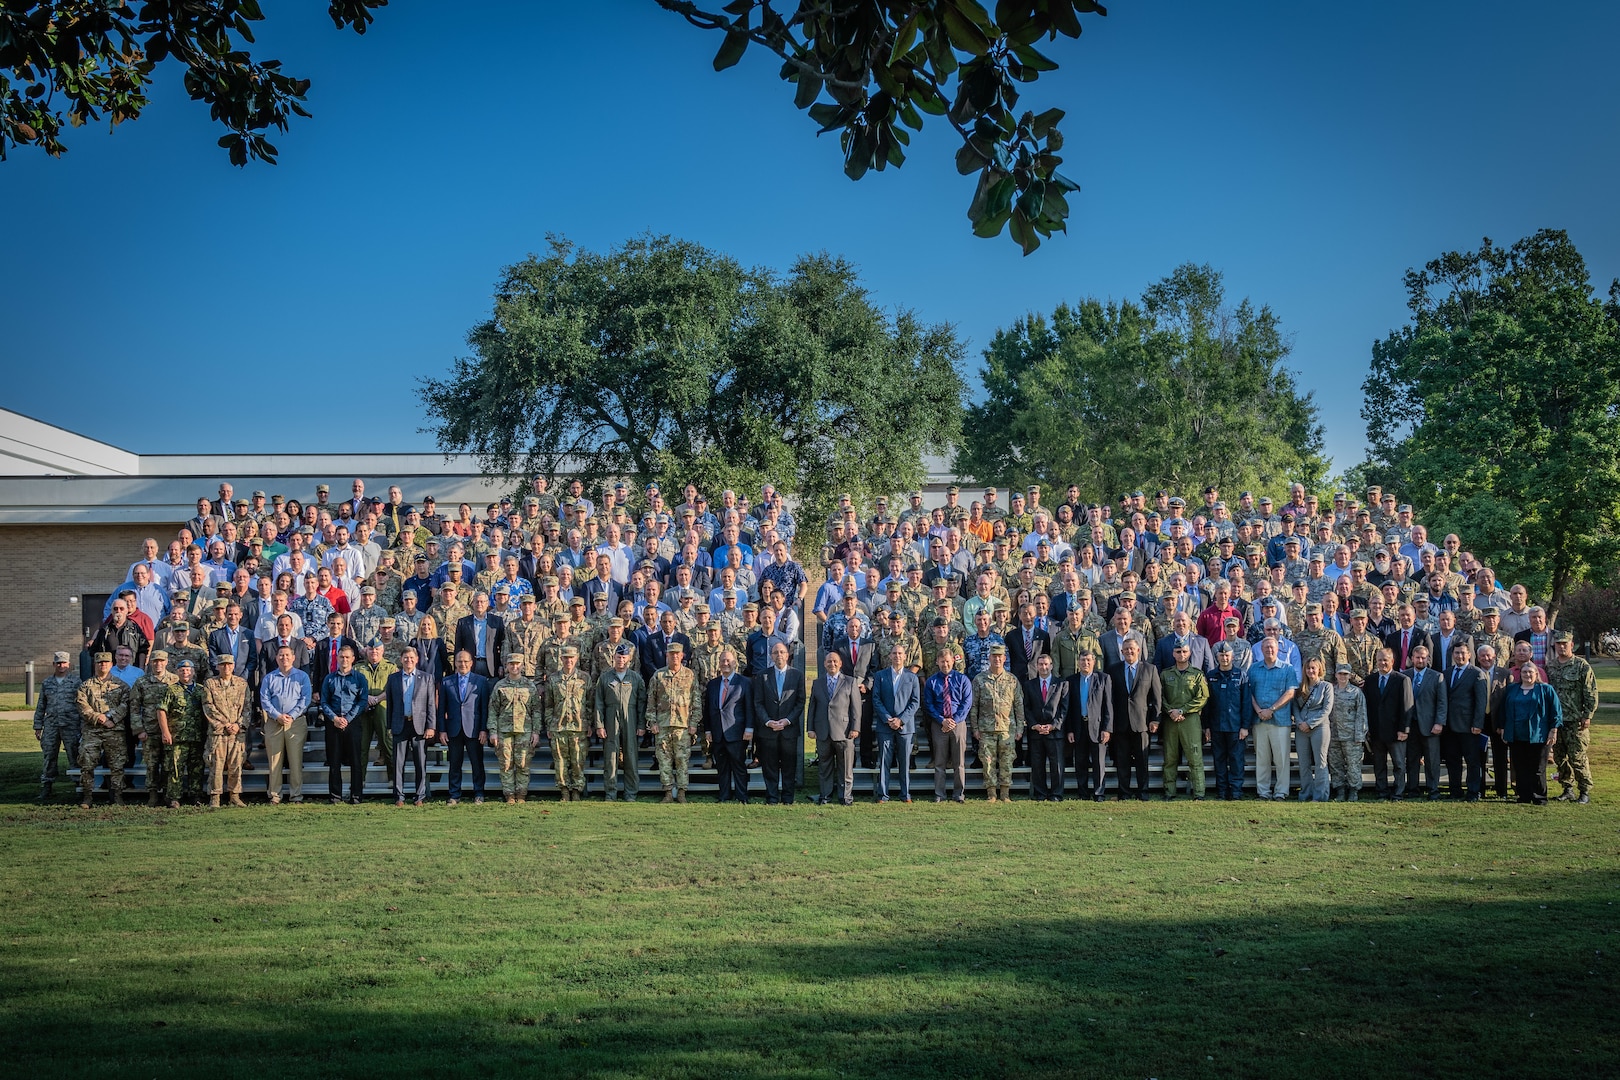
(1496, 410)
(662, 360)
(1178, 390)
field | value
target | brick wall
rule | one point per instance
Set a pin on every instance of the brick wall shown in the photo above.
(41, 568)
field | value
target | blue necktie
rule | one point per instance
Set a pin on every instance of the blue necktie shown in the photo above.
(1130, 679)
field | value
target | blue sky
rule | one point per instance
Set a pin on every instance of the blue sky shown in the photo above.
(1312, 152)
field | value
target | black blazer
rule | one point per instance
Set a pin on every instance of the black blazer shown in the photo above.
(1134, 710)
(1054, 710)
(1467, 698)
(1420, 636)
(450, 703)
(1021, 662)
(494, 638)
(653, 651)
(597, 585)
(1098, 716)
(321, 659)
(862, 670)
(301, 657)
(728, 723)
(430, 657)
(768, 706)
(1389, 713)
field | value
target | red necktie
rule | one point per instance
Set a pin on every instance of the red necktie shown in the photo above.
(854, 651)
(334, 654)
(1406, 644)
(1043, 691)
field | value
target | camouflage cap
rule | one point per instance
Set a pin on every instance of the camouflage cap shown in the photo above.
(1490, 609)
(258, 495)
(155, 654)
(526, 598)
(388, 623)
(1563, 636)
(675, 649)
(998, 650)
(368, 590)
(103, 657)
(578, 601)
(750, 606)
(515, 658)
(323, 489)
(221, 659)
(277, 499)
(60, 657)
(571, 651)
(548, 580)
(1358, 613)
(221, 603)
(1317, 556)
(501, 589)
(1313, 609)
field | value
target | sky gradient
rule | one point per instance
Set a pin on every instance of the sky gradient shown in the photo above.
(1311, 152)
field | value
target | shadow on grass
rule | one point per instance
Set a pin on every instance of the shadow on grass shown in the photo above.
(1375, 988)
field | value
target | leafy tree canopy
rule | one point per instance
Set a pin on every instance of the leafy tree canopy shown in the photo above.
(871, 70)
(1179, 390)
(76, 61)
(1496, 410)
(661, 360)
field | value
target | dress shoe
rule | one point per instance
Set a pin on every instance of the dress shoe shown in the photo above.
(1472, 798)
(354, 800)
(399, 802)
(1099, 798)
(247, 765)
(907, 799)
(961, 798)
(174, 804)
(44, 795)
(335, 800)
(1142, 796)
(420, 801)
(883, 798)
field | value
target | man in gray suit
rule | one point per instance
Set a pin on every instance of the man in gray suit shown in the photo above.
(1112, 640)
(835, 720)
(1090, 725)
(1467, 697)
(1428, 722)
(896, 696)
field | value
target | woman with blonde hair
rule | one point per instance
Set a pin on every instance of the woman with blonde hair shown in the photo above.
(1312, 706)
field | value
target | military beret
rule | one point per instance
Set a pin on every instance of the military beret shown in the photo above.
(624, 648)
(1181, 646)
(186, 662)
(323, 489)
(1490, 609)
(1227, 540)
(369, 590)
(388, 624)
(571, 650)
(1222, 647)
(1564, 635)
(1313, 609)
(103, 657)
(60, 657)
(938, 621)
(155, 654)
(675, 649)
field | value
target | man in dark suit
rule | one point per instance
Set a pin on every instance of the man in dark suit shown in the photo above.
(1200, 656)
(1498, 678)
(1389, 724)
(1046, 711)
(302, 660)
(779, 705)
(896, 697)
(653, 645)
(483, 635)
(1467, 699)
(463, 723)
(1111, 640)
(602, 583)
(835, 718)
(1137, 699)
(1090, 725)
(728, 721)
(1026, 644)
(324, 656)
(1428, 722)
(1406, 637)
(409, 696)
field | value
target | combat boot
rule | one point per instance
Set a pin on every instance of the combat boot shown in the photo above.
(669, 796)
(44, 795)
(236, 800)
(1006, 794)
(213, 802)
(87, 797)
(118, 798)
(153, 798)
(990, 794)
(680, 796)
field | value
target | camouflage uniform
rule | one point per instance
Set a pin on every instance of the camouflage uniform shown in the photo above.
(1361, 653)
(57, 722)
(976, 653)
(1498, 641)
(225, 702)
(445, 618)
(566, 714)
(183, 708)
(365, 624)
(198, 658)
(516, 713)
(1576, 687)
(1347, 735)
(704, 661)
(145, 698)
(1188, 691)
(674, 703)
(1324, 643)
(1067, 649)
(527, 638)
(997, 718)
(104, 708)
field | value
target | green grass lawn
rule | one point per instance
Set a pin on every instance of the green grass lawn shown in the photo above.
(1169, 940)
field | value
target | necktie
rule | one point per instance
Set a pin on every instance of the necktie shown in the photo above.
(1406, 645)
(780, 676)
(334, 653)
(1043, 690)
(1130, 679)
(854, 651)
(1455, 672)
(1383, 683)
(463, 685)
(945, 694)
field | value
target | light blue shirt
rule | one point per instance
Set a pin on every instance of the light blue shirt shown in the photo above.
(1267, 684)
(285, 695)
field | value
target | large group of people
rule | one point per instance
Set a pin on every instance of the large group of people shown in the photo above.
(1067, 639)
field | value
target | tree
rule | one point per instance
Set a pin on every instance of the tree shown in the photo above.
(80, 60)
(1178, 390)
(871, 70)
(663, 361)
(1496, 410)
